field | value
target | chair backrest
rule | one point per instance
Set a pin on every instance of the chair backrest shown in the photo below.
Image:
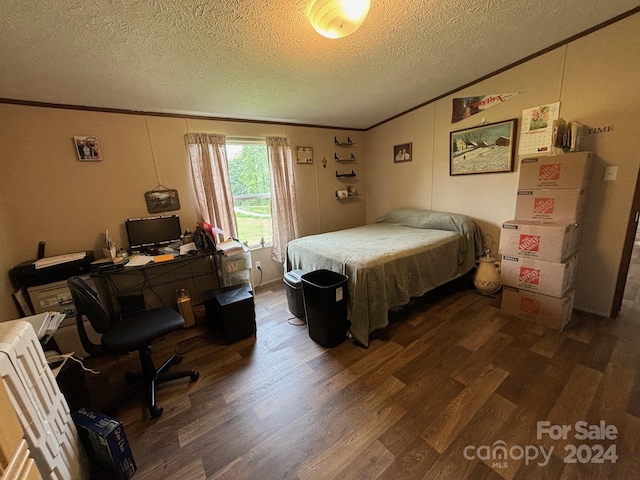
(87, 303)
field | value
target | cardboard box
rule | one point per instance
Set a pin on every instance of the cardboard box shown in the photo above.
(547, 278)
(547, 241)
(106, 443)
(542, 309)
(563, 204)
(569, 170)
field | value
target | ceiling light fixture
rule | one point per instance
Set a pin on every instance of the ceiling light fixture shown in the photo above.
(338, 18)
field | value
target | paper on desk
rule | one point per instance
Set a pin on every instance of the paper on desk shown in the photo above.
(184, 249)
(138, 261)
(59, 259)
(230, 247)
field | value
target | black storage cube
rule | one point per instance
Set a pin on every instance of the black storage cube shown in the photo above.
(231, 310)
(293, 280)
(325, 304)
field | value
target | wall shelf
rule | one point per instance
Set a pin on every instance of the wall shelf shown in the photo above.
(345, 175)
(345, 194)
(348, 143)
(348, 197)
(348, 159)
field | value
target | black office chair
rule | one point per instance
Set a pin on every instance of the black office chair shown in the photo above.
(133, 332)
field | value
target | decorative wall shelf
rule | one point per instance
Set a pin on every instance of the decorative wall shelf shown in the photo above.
(348, 143)
(351, 158)
(345, 194)
(345, 175)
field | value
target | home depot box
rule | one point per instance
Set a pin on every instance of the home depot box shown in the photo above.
(106, 443)
(563, 204)
(569, 170)
(542, 309)
(547, 241)
(547, 278)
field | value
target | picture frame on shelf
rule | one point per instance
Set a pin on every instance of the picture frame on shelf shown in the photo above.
(304, 155)
(402, 153)
(488, 148)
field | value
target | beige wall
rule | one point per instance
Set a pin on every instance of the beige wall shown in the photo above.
(47, 194)
(596, 81)
(8, 254)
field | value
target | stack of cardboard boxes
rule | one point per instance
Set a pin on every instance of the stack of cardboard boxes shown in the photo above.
(540, 247)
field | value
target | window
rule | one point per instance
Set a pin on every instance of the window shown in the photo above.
(250, 186)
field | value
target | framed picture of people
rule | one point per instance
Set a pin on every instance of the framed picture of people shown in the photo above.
(402, 153)
(87, 149)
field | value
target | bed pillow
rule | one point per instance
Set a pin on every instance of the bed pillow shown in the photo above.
(419, 218)
(452, 222)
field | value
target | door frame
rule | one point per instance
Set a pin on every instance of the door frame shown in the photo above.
(629, 239)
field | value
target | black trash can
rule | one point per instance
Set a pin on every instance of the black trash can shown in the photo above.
(293, 280)
(325, 304)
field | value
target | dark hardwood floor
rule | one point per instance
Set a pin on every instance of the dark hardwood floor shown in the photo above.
(435, 396)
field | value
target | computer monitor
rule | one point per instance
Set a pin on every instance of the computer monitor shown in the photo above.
(149, 233)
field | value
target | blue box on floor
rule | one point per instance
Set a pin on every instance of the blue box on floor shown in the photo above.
(106, 443)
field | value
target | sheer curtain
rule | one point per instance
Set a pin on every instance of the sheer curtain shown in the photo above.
(210, 171)
(284, 213)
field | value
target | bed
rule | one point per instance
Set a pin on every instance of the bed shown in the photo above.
(403, 254)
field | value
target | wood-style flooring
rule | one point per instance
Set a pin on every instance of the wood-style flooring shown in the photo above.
(438, 392)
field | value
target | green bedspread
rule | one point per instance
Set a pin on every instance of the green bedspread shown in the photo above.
(405, 254)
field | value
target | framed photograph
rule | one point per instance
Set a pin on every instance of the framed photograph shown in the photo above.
(402, 153)
(87, 148)
(304, 155)
(162, 200)
(485, 149)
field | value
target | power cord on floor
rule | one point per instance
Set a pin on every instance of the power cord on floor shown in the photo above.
(200, 340)
(296, 321)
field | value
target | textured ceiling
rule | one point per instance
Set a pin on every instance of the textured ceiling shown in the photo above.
(262, 60)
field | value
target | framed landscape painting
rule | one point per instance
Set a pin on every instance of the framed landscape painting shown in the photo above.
(485, 149)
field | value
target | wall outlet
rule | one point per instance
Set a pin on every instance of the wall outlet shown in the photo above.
(610, 173)
(258, 265)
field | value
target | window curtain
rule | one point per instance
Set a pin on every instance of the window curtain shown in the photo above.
(211, 182)
(284, 213)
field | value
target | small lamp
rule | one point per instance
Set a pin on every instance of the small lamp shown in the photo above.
(338, 18)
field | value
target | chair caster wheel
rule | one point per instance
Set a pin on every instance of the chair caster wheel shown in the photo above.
(156, 410)
(177, 360)
(194, 376)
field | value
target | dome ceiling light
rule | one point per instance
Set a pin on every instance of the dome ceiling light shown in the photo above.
(338, 18)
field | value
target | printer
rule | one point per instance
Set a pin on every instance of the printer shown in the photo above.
(47, 290)
(27, 275)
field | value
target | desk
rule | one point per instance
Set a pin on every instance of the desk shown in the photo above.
(157, 282)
